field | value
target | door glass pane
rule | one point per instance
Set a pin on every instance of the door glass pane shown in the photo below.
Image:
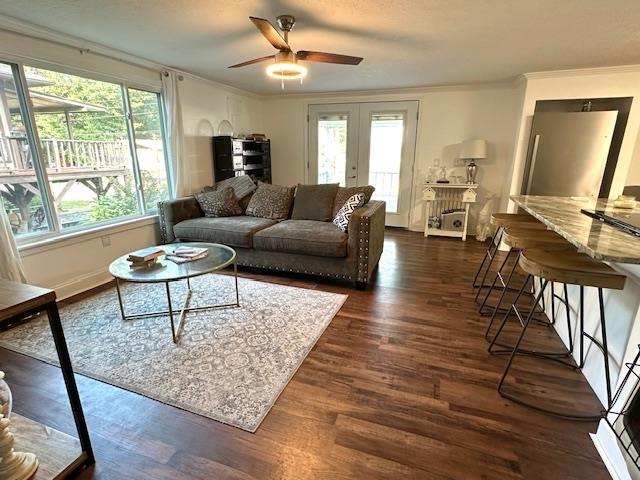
(85, 147)
(332, 149)
(20, 191)
(147, 130)
(385, 156)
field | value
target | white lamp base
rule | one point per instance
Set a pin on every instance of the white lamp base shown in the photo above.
(18, 466)
(14, 465)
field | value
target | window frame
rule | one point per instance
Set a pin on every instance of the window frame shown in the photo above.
(24, 97)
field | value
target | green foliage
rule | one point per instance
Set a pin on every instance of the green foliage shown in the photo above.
(108, 124)
(123, 201)
(120, 204)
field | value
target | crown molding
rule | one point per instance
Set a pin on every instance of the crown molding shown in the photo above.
(407, 91)
(580, 72)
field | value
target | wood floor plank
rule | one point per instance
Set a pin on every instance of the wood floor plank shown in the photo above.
(399, 386)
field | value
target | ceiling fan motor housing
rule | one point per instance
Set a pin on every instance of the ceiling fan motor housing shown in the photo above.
(286, 22)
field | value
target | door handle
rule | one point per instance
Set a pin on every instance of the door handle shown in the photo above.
(352, 177)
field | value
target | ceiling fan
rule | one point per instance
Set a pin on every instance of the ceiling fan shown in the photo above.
(286, 64)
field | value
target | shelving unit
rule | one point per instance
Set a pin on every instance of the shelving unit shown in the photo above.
(441, 197)
(240, 156)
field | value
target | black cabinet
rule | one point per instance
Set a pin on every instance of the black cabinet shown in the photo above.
(233, 157)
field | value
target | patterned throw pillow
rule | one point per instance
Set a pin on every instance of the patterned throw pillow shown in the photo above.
(271, 201)
(344, 193)
(344, 214)
(219, 203)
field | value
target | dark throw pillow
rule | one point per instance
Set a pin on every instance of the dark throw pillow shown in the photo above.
(314, 202)
(219, 203)
(271, 201)
(344, 193)
(242, 185)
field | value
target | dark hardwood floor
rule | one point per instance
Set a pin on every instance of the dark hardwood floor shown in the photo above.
(399, 386)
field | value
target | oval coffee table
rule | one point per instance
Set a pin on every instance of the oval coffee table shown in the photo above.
(165, 271)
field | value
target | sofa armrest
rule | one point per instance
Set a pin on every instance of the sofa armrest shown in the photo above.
(175, 211)
(366, 237)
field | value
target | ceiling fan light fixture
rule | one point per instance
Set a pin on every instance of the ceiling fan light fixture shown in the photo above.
(284, 70)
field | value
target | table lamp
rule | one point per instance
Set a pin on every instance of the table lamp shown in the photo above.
(473, 149)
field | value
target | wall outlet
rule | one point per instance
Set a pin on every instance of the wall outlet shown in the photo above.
(106, 240)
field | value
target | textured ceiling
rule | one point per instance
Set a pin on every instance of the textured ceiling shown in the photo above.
(405, 43)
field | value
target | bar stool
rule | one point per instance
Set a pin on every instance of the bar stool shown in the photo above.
(517, 223)
(570, 268)
(500, 221)
(517, 239)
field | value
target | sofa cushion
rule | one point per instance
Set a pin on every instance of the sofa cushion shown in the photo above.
(307, 237)
(344, 193)
(314, 202)
(219, 203)
(232, 231)
(271, 201)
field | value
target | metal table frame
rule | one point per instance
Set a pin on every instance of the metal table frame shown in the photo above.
(176, 329)
(86, 457)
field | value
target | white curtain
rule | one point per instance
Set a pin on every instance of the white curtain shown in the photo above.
(10, 263)
(174, 129)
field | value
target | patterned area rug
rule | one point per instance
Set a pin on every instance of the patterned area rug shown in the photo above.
(230, 365)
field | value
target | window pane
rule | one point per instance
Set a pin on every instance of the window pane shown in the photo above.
(19, 188)
(147, 130)
(85, 147)
(332, 149)
(385, 155)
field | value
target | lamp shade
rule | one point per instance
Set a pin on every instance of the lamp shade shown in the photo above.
(473, 148)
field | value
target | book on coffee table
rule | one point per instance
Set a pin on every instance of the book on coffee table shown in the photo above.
(185, 254)
(146, 254)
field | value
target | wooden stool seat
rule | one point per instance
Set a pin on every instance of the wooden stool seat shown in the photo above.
(527, 238)
(571, 268)
(506, 219)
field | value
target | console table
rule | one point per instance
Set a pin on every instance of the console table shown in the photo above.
(442, 197)
(18, 302)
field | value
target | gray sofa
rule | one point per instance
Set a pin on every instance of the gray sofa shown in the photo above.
(299, 246)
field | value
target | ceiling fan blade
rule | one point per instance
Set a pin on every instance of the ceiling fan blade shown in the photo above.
(328, 57)
(270, 33)
(255, 60)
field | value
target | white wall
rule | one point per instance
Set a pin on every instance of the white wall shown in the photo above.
(448, 115)
(577, 84)
(74, 265)
(204, 105)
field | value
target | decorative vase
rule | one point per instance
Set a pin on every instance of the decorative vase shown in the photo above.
(13, 465)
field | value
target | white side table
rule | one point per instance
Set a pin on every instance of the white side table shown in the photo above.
(439, 197)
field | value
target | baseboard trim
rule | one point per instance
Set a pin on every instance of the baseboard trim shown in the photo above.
(81, 284)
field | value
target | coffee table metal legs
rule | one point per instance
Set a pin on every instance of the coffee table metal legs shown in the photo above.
(176, 328)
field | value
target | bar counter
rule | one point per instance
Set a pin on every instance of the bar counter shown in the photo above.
(588, 235)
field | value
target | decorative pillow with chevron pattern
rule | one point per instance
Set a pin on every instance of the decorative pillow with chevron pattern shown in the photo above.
(344, 214)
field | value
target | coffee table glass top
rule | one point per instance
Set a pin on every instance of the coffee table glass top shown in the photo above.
(219, 257)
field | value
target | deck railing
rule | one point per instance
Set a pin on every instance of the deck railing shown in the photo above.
(62, 154)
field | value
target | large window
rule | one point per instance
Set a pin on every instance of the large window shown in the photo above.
(99, 156)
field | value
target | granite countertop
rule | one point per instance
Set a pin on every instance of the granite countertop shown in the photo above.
(591, 236)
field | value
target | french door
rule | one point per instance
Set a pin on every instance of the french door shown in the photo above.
(366, 144)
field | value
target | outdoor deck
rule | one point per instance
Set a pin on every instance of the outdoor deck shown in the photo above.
(95, 164)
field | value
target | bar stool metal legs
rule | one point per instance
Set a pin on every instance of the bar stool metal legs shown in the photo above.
(490, 254)
(517, 350)
(602, 346)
